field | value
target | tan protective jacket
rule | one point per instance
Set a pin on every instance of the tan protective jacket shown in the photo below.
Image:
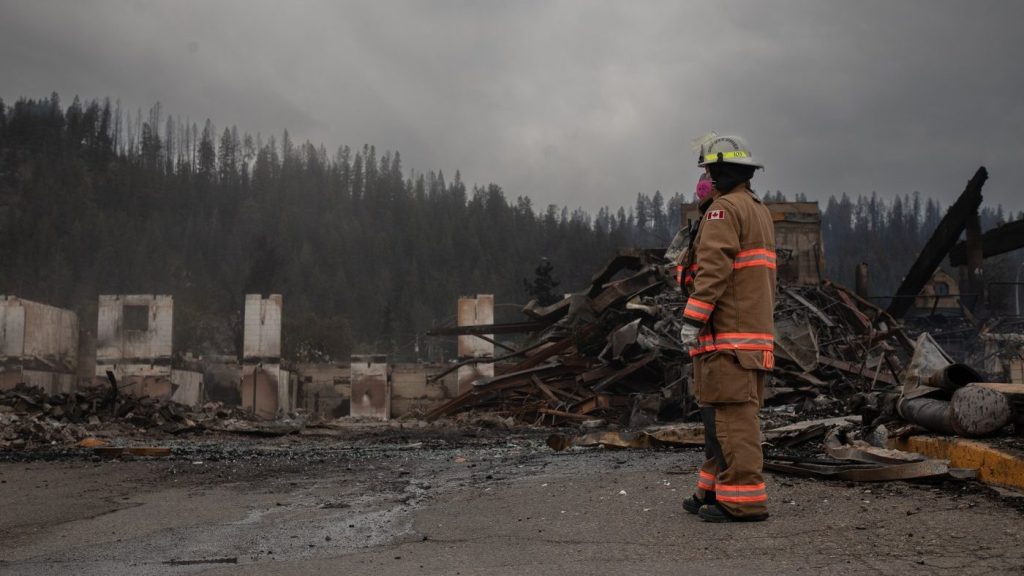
(732, 298)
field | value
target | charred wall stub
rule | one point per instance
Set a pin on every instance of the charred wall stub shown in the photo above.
(134, 342)
(38, 345)
(371, 386)
(266, 388)
(475, 312)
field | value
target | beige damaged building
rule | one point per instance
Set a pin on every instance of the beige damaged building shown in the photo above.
(266, 388)
(38, 345)
(134, 342)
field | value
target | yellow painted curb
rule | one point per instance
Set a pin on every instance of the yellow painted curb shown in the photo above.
(997, 467)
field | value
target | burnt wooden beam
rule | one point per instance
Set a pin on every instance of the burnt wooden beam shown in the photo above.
(975, 260)
(478, 329)
(996, 241)
(942, 241)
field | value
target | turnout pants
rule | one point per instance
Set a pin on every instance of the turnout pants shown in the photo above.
(730, 396)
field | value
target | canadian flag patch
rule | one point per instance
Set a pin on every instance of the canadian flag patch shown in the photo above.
(716, 215)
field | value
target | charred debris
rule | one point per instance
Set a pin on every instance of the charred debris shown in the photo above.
(604, 365)
(849, 373)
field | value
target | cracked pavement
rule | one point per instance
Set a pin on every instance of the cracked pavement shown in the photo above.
(478, 503)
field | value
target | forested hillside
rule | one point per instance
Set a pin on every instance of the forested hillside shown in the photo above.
(95, 200)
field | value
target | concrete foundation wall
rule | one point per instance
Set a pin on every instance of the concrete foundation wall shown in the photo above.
(267, 381)
(371, 387)
(49, 382)
(412, 395)
(408, 381)
(140, 385)
(325, 390)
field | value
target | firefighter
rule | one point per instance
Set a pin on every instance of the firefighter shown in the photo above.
(728, 326)
(686, 266)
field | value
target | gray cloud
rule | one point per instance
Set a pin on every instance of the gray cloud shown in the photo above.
(576, 102)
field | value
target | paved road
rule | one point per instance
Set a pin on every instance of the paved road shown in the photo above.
(493, 506)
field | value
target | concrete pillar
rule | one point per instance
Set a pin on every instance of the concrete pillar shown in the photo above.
(264, 386)
(475, 312)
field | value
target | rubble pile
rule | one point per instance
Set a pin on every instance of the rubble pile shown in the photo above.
(610, 353)
(31, 418)
(836, 353)
(606, 353)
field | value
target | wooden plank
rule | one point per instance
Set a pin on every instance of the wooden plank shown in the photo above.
(901, 336)
(557, 348)
(594, 403)
(563, 414)
(484, 389)
(547, 391)
(621, 290)
(494, 342)
(511, 328)
(599, 387)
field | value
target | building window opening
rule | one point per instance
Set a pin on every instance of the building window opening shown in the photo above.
(136, 318)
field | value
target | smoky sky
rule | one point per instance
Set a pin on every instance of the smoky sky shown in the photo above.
(582, 103)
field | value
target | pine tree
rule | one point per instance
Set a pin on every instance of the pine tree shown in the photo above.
(542, 288)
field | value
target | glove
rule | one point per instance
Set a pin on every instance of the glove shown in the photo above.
(688, 335)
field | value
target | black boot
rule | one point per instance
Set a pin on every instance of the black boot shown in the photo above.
(715, 513)
(693, 503)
